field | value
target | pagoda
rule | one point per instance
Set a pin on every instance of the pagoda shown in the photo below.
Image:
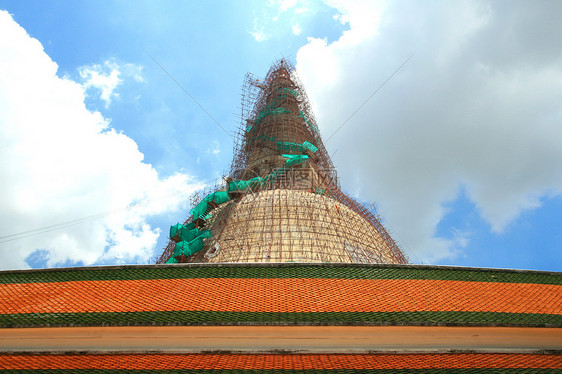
(281, 201)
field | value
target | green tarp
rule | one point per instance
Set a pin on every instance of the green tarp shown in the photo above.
(188, 235)
(271, 108)
(288, 91)
(311, 147)
(188, 248)
(254, 183)
(288, 146)
(249, 184)
(268, 112)
(295, 159)
(174, 230)
(275, 102)
(184, 232)
(219, 197)
(199, 210)
(312, 126)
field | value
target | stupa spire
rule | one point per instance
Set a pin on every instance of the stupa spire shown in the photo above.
(281, 200)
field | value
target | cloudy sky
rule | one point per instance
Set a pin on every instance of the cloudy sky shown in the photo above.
(461, 149)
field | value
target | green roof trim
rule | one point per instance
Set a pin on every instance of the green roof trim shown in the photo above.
(280, 270)
(214, 318)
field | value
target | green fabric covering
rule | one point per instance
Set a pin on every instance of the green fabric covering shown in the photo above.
(271, 108)
(268, 112)
(295, 159)
(288, 91)
(188, 248)
(288, 146)
(312, 126)
(199, 210)
(219, 197)
(174, 230)
(188, 235)
(250, 184)
(184, 232)
(275, 102)
(311, 147)
(255, 183)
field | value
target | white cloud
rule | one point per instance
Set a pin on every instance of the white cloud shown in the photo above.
(285, 5)
(281, 18)
(60, 162)
(297, 30)
(258, 32)
(477, 110)
(104, 79)
(215, 148)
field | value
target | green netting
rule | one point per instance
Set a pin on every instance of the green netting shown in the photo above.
(320, 191)
(172, 260)
(312, 126)
(295, 159)
(275, 102)
(188, 248)
(188, 235)
(177, 229)
(183, 233)
(288, 91)
(271, 108)
(174, 230)
(255, 183)
(219, 197)
(249, 184)
(264, 137)
(199, 210)
(311, 147)
(288, 146)
(268, 112)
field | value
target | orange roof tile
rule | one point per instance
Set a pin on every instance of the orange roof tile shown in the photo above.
(253, 294)
(280, 296)
(297, 362)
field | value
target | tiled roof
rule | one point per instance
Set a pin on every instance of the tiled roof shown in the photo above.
(283, 363)
(279, 294)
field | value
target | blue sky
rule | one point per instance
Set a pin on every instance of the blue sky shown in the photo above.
(460, 150)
